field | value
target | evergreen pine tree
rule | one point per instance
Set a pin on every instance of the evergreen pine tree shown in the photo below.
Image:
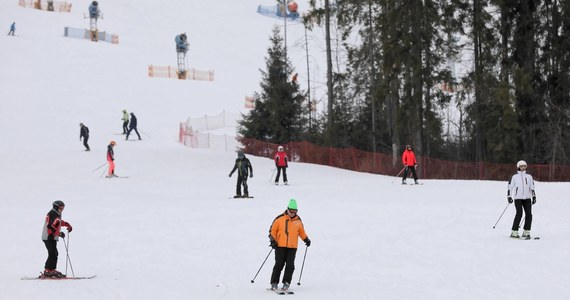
(278, 114)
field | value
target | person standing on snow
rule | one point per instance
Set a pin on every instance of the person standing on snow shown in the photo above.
(111, 159)
(133, 126)
(284, 233)
(50, 235)
(281, 163)
(12, 29)
(243, 166)
(84, 133)
(410, 163)
(125, 119)
(522, 187)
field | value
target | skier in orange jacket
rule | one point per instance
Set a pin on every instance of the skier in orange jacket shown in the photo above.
(284, 233)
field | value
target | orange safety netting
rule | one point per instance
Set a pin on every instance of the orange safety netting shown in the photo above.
(172, 72)
(379, 163)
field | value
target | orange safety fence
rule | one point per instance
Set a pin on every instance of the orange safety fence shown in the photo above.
(172, 72)
(59, 6)
(385, 164)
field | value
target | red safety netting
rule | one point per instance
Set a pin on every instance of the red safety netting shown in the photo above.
(379, 163)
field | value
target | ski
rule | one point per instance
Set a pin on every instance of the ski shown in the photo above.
(248, 197)
(58, 278)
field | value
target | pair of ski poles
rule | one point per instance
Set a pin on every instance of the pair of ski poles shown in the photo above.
(68, 259)
(300, 274)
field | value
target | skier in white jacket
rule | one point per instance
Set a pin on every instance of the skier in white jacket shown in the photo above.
(521, 189)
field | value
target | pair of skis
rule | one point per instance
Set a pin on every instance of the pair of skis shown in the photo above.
(41, 277)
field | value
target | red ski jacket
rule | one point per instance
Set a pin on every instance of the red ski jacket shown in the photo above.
(281, 159)
(409, 158)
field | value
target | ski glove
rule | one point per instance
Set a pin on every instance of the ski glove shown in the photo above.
(510, 199)
(273, 243)
(69, 228)
(62, 235)
(533, 200)
(307, 242)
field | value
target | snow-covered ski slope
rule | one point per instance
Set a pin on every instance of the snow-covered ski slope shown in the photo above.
(169, 231)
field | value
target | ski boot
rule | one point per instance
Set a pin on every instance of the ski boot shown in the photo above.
(416, 182)
(286, 183)
(276, 183)
(285, 286)
(274, 287)
(526, 235)
(246, 195)
(515, 234)
(403, 181)
(48, 273)
(237, 196)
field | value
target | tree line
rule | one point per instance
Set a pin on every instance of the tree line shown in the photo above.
(395, 79)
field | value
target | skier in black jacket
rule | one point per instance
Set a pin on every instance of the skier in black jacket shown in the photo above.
(243, 166)
(84, 133)
(50, 234)
(133, 126)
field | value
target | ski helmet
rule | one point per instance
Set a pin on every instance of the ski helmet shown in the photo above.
(113, 143)
(94, 3)
(292, 204)
(57, 204)
(240, 154)
(280, 148)
(521, 163)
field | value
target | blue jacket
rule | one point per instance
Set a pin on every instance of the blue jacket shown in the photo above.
(13, 27)
(94, 11)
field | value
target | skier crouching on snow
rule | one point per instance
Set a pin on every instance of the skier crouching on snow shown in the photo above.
(522, 186)
(243, 166)
(50, 235)
(283, 237)
(281, 163)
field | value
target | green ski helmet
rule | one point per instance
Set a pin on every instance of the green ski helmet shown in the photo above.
(292, 204)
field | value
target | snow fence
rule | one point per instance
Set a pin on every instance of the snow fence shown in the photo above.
(80, 33)
(215, 132)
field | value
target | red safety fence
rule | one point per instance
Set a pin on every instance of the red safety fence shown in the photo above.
(380, 163)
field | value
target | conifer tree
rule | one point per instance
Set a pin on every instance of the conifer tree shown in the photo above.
(278, 113)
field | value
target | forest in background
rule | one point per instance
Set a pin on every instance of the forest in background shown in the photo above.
(392, 80)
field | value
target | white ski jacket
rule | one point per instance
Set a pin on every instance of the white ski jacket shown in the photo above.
(521, 186)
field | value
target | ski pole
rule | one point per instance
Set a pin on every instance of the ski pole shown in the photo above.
(302, 266)
(105, 170)
(253, 280)
(99, 167)
(402, 170)
(272, 172)
(502, 215)
(67, 256)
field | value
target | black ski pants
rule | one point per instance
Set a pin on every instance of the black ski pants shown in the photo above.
(135, 129)
(410, 168)
(279, 173)
(51, 262)
(85, 139)
(284, 257)
(125, 127)
(521, 204)
(242, 180)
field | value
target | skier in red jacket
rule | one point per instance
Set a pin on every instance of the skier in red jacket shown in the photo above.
(410, 163)
(50, 234)
(281, 163)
